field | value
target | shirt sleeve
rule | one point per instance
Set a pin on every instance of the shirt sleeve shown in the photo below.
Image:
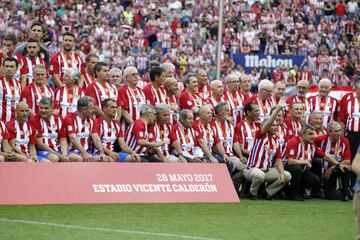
(124, 98)
(185, 102)
(69, 126)
(96, 127)
(149, 95)
(347, 153)
(54, 65)
(90, 91)
(139, 130)
(292, 149)
(319, 152)
(26, 95)
(32, 136)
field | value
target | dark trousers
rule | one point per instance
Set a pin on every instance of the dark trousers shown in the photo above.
(330, 184)
(149, 158)
(354, 139)
(302, 177)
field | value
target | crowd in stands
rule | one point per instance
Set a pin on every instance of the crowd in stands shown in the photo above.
(134, 81)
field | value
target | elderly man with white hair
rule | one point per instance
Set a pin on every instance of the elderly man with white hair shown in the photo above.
(132, 97)
(234, 98)
(245, 87)
(328, 105)
(217, 93)
(263, 98)
(169, 69)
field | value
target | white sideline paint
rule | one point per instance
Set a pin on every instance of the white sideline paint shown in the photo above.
(100, 229)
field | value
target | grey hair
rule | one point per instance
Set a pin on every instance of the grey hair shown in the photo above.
(265, 83)
(146, 108)
(161, 108)
(46, 101)
(306, 127)
(326, 81)
(331, 125)
(73, 73)
(188, 79)
(231, 76)
(39, 66)
(184, 113)
(316, 112)
(167, 66)
(84, 103)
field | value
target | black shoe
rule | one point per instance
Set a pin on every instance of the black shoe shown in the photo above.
(344, 198)
(318, 195)
(297, 198)
(266, 196)
(351, 195)
(252, 197)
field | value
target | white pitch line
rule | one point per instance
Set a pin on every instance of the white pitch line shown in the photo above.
(100, 229)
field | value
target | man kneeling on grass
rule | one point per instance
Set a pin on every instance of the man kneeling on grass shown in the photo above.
(259, 167)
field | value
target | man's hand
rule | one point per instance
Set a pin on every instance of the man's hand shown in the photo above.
(243, 160)
(344, 167)
(8, 156)
(86, 157)
(64, 158)
(213, 160)
(135, 157)
(182, 159)
(113, 157)
(308, 164)
(282, 177)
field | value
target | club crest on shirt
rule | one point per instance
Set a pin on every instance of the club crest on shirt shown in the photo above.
(292, 151)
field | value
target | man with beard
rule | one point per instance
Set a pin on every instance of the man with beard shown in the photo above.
(64, 59)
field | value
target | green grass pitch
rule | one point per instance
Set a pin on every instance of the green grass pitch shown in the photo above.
(312, 219)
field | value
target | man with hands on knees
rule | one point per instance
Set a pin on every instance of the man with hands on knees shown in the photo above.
(107, 130)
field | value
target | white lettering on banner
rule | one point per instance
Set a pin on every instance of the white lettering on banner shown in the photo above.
(269, 61)
(151, 188)
(194, 188)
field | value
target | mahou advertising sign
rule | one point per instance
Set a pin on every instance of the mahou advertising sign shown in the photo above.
(65, 183)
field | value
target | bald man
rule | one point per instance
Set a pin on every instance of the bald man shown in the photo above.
(204, 89)
(22, 136)
(172, 90)
(302, 88)
(279, 92)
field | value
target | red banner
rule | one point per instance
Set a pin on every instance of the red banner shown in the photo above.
(63, 183)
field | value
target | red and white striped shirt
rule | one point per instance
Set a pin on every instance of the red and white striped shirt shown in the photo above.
(205, 91)
(263, 151)
(329, 106)
(154, 96)
(132, 100)
(31, 64)
(188, 140)
(188, 101)
(293, 127)
(33, 94)
(340, 150)
(50, 131)
(225, 132)
(304, 102)
(207, 133)
(213, 101)
(88, 79)
(101, 92)
(235, 101)
(245, 133)
(4, 133)
(298, 150)
(138, 130)
(24, 135)
(9, 96)
(59, 63)
(173, 101)
(82, 128)
(65, 100)
(108, 132)
(264, 107)
(162, 133)
(350, 114)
